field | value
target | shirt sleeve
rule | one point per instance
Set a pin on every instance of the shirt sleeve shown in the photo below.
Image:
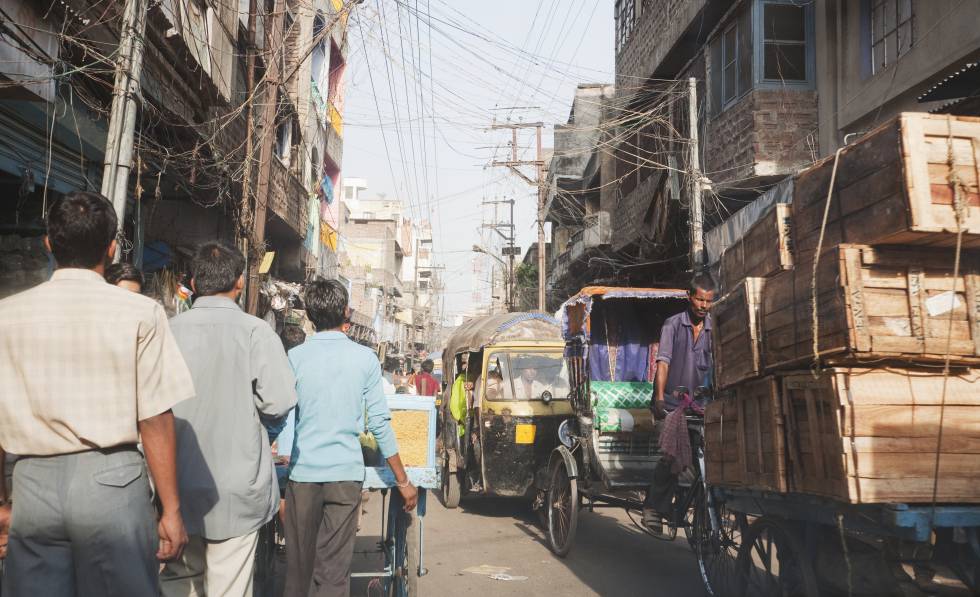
(162, 376)
(273, 382)
(378, 415)
(666, 350)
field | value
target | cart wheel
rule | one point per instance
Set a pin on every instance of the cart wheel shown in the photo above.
(405, 533)
(450, 488)
(717, 549)
(771, 561)
(562, 509)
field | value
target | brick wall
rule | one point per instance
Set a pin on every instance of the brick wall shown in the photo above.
(764, 134)
(659, 24)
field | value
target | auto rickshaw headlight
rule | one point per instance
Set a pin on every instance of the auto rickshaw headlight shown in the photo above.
(546, 397)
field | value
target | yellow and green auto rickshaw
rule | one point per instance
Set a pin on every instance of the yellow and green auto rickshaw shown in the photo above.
(505, 399)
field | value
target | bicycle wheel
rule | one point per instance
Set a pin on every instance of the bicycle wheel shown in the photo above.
(562, 510)
(717, 548)
(772, 561)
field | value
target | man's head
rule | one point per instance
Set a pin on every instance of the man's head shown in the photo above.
(326, 304)
(125, 275)
(428, 365)
(82, 230)
(700, 295)
(292, 336)
(218, 268)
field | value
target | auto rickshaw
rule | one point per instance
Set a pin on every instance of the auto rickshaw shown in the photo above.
(511, 368)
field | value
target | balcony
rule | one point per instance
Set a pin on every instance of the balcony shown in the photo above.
(559, 269)
(288, 198)
(598, 230)
(577, 248)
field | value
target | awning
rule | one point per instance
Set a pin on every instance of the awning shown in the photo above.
(965, 82)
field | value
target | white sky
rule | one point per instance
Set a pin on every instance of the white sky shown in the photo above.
(484, 55)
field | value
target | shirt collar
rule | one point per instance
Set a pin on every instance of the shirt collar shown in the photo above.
(686, 319)
(76, 273)
(329, 335)
(215, 302)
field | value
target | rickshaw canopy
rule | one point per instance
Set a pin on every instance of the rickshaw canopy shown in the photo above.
(479, 332)
(575, 313)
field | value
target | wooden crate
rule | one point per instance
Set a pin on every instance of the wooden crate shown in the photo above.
(874, 303)
(893, 186)
(722, 451)
(736, 333)
(744, 437)
(867, 435)
(766, 248)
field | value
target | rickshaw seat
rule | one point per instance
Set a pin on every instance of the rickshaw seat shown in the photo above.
(611, 398)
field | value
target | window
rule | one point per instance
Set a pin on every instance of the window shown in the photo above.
(768, 44)
(625, 19)
(526, 376)
(731, 60)
(284, 134)
(784, 42)
(892, 32)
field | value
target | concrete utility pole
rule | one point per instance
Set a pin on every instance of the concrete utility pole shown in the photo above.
(510, 238)
(122, 117)
(694, 173)
(267, 137)
(538, 182)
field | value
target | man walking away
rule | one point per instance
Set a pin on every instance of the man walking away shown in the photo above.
(338, 382)
(683, 361)
(87, 369)
(228, 486)
(425, 383)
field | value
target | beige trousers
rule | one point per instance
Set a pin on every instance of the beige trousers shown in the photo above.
(211, 568)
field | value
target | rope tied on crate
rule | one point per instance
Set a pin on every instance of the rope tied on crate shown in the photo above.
(815, 327)
(960, 213)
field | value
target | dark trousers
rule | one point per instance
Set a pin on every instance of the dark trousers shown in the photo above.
(82, 525)
(321, 525)
(660, 496)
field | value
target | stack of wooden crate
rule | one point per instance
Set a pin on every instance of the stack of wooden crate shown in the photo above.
(856, 414)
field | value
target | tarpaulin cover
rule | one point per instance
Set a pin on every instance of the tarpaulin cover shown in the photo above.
(576, 310)
(473, 335)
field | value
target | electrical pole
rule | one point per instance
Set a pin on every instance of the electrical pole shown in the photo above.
(267, 130)
(245, 219)
(122, 118)
(538, 181)
(510, 238)
(694, 172)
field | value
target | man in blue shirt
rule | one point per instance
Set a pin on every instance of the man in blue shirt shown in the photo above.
(338, 383)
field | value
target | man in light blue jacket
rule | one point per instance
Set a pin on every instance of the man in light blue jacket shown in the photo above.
(337, 381)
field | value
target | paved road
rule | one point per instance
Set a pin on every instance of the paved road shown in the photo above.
(611, 557)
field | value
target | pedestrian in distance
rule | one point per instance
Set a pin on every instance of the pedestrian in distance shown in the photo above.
(125, 275)
(339, 386)
(87, 370)
(425, 383)
(228, 486)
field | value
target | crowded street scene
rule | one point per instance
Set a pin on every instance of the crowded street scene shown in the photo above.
(404, 298)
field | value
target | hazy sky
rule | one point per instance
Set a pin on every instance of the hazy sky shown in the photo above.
(441, 71)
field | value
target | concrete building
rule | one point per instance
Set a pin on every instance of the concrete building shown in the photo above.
(56, 65)
(780, 84)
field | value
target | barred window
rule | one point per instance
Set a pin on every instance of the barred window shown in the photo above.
(892, 32)
(625, 20)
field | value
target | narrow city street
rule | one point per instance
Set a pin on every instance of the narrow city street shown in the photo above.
(464, 547)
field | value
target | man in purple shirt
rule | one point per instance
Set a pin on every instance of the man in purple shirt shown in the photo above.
(684, 360)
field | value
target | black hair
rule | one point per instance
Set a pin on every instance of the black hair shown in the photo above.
(120, 272)
(292, 336)
(702, 280)
(326, 304)
(428, 365)
(81, 226)
(216, 268)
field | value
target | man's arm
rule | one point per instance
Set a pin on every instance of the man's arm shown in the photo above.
(160, 447)
(661, 384)
(4, 505)
(273, 384)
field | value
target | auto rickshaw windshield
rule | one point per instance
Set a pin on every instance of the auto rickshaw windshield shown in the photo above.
(526, 376)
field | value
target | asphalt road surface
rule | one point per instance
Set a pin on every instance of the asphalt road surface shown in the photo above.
(611, 557)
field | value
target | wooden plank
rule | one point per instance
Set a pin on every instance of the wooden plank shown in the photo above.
(737, 350)
(912, 490)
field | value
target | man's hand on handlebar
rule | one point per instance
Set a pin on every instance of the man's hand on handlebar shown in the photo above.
(659, 412)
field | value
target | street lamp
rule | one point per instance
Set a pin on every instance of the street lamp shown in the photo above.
(509, 288)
